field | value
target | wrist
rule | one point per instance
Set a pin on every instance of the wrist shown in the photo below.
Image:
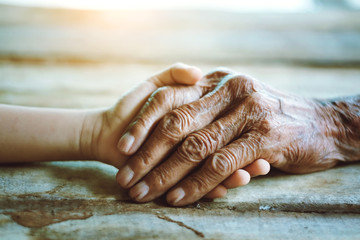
(342, 124)
(89, 134)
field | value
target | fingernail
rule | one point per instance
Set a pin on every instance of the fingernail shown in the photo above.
(126, 142)
(125, 176)
(176, 195)
(139, 191)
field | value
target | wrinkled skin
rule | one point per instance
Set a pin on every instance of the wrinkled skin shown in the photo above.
(236, 121)
(107, 125)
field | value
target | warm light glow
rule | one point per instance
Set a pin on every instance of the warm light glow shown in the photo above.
(230, 5)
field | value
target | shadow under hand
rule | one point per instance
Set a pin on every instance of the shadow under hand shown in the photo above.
(73, 179)
(98, 178)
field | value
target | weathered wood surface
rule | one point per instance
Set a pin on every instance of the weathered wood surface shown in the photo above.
(88, 59)
(155, 36)
(101, 84)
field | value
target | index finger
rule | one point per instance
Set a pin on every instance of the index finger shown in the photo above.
(178, 73)
(216, 169)
(163, 101)
(171, 130)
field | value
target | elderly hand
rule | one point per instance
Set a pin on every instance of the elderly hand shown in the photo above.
(104, 127)
(237, 121)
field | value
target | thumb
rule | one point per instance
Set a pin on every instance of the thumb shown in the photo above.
(178, 73)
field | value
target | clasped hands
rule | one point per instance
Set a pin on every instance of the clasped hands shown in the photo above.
(193, 136)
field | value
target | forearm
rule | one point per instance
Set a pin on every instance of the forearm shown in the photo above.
(344, 125)
(40, 134)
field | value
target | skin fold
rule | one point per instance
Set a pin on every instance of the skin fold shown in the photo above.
(195, 145)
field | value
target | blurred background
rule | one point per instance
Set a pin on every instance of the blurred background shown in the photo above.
(78, 53)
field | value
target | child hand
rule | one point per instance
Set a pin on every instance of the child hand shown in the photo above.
(103, 128)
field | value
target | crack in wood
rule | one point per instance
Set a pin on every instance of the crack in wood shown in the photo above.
(56, 189)
(181, 224)
(40, 194)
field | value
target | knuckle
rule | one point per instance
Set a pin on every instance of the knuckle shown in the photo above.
(199, 184)
(242, 85)
(219, 73)
(143, 159)
(159, 178)
(265, 126)
(194, 148)
(258, 106)
(139, 124)
(175, 123)
(172, 121)
(222, 162)
(257, 99)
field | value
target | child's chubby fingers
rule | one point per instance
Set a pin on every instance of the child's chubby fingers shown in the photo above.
(218, 192)
(258, 167)
(240, 177)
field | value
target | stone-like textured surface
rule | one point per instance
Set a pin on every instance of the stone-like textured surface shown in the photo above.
(80, 200)
(246, 225)
(335, 190)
